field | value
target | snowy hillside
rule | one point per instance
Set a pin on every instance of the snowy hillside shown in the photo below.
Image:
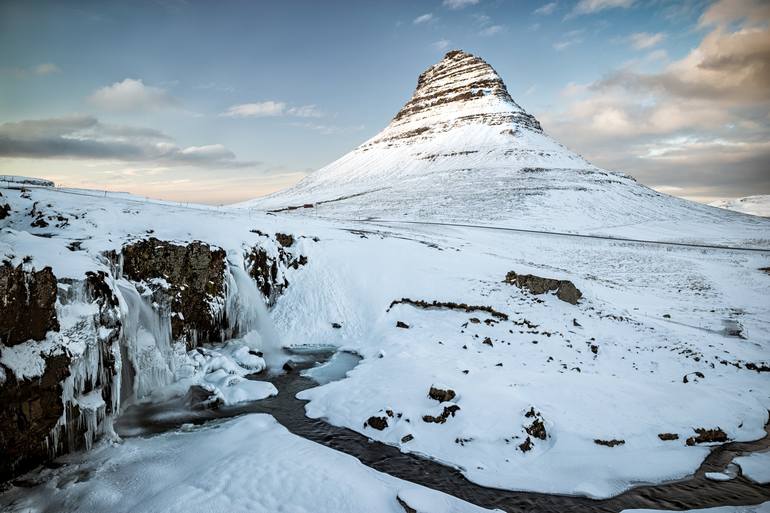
(758, 205)
(463, 150)
(546, 395)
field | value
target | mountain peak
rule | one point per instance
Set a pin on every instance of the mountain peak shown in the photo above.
(459, 76)
(461, 89)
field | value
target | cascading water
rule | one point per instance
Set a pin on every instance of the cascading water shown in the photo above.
(146, 343)
(249, 317)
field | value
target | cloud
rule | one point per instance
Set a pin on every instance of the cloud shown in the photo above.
(46, 68)
(459, 4)
(546, 9)
(753, 12)
(328, 129)
(85, 137)
(697, 120)
(425, 18)
(570, 38)
(41, 70)
(487, 27)
(642, 40)
(256, 110)
(271, 108)
(441, 44)
(593, 6)
(213, 86)
(131, 95)
(491, 30)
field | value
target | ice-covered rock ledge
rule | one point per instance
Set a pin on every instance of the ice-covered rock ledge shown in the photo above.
(73, 351)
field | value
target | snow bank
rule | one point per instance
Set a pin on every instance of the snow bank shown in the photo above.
(755, 466)
(249, 464)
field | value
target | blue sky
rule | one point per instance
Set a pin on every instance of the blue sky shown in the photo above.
(318, 78)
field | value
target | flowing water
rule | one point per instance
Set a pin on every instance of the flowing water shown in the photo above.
(690, 493)
(250, 315)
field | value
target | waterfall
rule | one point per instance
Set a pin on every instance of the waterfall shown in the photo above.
(146, 342)
(249, 317)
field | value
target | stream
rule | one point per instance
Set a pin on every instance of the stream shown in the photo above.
(314, 366)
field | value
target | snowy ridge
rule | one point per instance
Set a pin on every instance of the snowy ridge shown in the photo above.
(461, 149)
(758, 205)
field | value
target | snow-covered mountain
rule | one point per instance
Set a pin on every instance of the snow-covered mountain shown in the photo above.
(461, 149)
(758, 205)
(534, 362)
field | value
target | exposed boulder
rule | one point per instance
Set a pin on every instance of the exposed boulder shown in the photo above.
(527, 445)
(537, 428)
(284, 239)
(194, 276)
(448, 411)
(5, 210)
(441, 395)
(707, 436)
(565, 289)
(27, 304)
(378, 423)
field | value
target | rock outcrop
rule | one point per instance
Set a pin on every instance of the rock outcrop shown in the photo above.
(267, 264)
(56, 394)
(565, 289)
(31, 410)
(27, 304)
(190, 278)
(460, 82)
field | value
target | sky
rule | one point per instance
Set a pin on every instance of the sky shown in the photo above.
(218, 102)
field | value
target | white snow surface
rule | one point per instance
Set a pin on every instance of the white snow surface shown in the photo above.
(755, 466)
(249, 464)
(656, 313)
(758, 205)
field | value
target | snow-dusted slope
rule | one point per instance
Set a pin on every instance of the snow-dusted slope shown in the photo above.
(758, 205)
(666, 339)
(462, 149)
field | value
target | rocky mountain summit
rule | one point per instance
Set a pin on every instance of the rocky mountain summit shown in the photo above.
(460, 90)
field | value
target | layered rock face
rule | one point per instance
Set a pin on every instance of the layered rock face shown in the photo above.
(460, 90)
